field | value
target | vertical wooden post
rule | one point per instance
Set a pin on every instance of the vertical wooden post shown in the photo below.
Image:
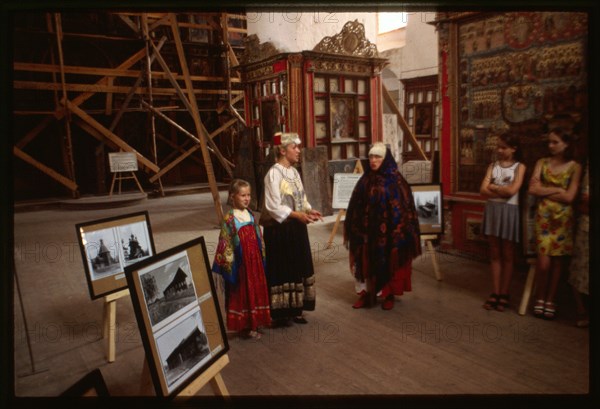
(146, 35)
(528, 286)
(196, 116)
(69, 145)
(428, 243)
(109, 329)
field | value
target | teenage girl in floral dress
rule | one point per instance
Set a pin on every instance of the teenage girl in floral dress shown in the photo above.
(555, 181)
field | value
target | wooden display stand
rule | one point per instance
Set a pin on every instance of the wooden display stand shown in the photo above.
(428, 238)
(110, 322)
(119, 176)
(123, 163)
(212, 375)
(358, 168)
(528, 286)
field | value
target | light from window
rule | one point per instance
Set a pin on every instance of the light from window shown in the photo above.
(391, 21)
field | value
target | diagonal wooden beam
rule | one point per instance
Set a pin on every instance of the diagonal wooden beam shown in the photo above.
(213, 148)
(223, 127)
(233, 102)
(59, 113)
(135, 86)
(45, 169)
(174, 163)
(196, 116)
(193, 110)
(96, 134)
(29, 136)
(403, 125)
(128, 63)
(177, 149)
(161, 22)
(129, 23)
(111, 136)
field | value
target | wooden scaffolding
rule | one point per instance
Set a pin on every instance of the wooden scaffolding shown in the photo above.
(169, 66)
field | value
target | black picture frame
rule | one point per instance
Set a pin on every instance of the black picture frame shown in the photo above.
(178, 315)
(428, 199)
(91, 385)
(105, 271)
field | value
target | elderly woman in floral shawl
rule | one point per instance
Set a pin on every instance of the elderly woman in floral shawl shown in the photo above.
(381, 231)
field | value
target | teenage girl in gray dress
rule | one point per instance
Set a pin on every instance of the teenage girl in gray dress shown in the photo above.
(501, 185)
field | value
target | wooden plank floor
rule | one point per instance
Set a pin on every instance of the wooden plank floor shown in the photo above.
(436, 341)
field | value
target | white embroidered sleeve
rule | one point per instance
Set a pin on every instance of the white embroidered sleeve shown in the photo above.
(273, 204)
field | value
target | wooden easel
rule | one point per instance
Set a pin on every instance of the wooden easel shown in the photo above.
(212, 375)
(119, 176)
(358, 168)
(110, 322)
(528, 286)
(428, 238)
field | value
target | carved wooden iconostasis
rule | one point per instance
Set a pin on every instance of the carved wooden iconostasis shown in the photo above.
(330, 96)
(519, 71)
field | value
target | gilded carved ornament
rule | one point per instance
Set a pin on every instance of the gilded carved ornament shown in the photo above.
(350, 41)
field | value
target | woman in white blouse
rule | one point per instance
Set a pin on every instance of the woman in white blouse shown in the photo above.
(285, 216)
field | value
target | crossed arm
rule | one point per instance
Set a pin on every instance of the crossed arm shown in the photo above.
(492, 190)
(555, 193)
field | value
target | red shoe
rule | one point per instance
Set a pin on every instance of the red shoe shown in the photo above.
(388, 304)
(363, 301)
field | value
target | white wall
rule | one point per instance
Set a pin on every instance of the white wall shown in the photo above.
(417, 58)
(300, 31)
(420, 54)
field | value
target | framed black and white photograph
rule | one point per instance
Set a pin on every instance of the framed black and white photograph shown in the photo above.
(428, 202)
(109, 245)
(177, 311)
(182, 347)
(168, 288)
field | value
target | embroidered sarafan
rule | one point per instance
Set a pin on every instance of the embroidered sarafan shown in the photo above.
(228, 256)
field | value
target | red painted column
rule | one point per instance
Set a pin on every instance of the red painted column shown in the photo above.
(446, 137)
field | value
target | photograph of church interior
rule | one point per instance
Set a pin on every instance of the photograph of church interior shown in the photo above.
(128, 126)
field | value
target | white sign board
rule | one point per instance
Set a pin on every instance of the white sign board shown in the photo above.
(122, 162)
(416, 171)
(343, 185)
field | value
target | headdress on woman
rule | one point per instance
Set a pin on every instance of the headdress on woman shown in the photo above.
(378, 149)
(286, 138)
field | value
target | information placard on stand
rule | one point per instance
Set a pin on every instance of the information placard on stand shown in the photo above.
(343, 185)
(123, 163)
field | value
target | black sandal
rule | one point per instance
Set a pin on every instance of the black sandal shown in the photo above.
(300, 320)
(491, 302)
(502, 302)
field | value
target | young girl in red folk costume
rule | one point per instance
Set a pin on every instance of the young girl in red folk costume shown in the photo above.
(381, 231)
(239, 258)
